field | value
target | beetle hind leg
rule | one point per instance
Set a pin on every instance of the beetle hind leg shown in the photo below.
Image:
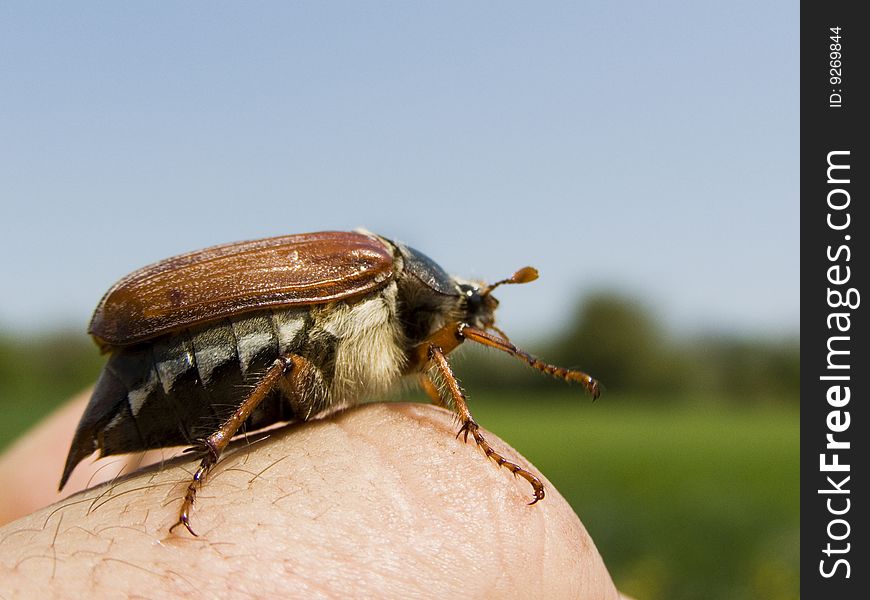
(470, 426)
(211, 457)
(216, 443)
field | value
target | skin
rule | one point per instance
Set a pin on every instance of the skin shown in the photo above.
(381, 500)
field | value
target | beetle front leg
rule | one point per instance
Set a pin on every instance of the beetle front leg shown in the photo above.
(487, 339)
(217, 442)
(470, 426)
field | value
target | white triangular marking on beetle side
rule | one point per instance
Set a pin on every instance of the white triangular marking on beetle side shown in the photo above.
(136, 398)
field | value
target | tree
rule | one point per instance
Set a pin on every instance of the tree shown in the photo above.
(617, 340)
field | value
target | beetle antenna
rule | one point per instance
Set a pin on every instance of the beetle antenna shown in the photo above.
(524, 275)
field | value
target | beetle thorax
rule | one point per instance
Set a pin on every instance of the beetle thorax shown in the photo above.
(368, 345)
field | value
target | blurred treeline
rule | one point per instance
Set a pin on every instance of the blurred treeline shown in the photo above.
(612, 336)
(622, 343)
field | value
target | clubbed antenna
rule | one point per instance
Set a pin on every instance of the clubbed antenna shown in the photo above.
(524, 275)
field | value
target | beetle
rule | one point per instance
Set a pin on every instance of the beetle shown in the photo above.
(282, 329)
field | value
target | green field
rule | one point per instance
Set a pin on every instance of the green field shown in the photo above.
(40, 371)
(693, 500)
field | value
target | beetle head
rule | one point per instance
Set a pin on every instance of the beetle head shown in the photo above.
(480, 304)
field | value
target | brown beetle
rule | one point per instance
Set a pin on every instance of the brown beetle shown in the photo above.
(281, 329)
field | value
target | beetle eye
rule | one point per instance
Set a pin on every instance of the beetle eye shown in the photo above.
(473, 299)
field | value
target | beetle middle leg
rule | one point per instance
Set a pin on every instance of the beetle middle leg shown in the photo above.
(217, 442)
(432, 391)
(470, 426)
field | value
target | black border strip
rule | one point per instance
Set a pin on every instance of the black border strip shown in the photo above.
(834, 333)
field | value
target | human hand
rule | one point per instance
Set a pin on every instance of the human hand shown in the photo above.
(381, 500)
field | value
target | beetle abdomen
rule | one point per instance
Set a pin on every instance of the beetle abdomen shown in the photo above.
(180, 387)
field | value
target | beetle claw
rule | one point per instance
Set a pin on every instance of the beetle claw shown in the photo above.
(184, 520)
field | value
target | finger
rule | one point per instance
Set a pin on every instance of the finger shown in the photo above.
(381, 500)
(33, 464)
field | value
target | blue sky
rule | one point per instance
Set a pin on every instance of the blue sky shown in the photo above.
(650, 146)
